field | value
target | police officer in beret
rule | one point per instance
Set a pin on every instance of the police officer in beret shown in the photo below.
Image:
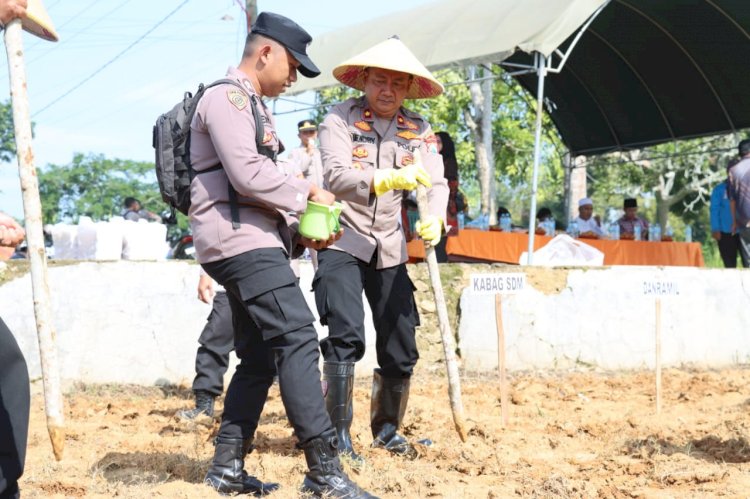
(245, 245)
(307, 156)
(374, 150)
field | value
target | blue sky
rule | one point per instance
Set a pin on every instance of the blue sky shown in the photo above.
(85, 98)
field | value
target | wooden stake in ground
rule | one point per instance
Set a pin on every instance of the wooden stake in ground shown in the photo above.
(501, 359)
(32, 209)
(658, 355)
(449, 345)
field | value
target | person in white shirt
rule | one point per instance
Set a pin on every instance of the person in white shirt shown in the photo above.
(588, 225)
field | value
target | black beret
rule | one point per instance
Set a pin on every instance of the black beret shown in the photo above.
(290, 35)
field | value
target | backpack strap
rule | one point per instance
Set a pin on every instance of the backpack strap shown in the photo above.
(262, 149)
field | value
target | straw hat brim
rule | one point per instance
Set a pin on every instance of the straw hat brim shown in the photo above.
(393, 55)
(38, 22)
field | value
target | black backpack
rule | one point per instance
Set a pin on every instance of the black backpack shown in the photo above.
(171, 142)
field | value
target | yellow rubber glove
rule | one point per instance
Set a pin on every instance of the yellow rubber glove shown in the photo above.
(405, 178)
(430, 230)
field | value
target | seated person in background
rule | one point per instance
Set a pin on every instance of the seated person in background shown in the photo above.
(542, 216)
(134, 212)
(588, 225)
(630, 220)
(501, 210)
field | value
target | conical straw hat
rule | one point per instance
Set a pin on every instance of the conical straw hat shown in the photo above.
(37, 21)
(394, 55)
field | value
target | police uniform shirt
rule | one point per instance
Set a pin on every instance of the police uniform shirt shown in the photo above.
(309, 164)
(353, 144)
(223, 131)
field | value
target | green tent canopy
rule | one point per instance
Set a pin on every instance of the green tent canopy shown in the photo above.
(651, 71)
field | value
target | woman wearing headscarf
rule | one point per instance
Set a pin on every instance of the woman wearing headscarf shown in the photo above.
(456, 201)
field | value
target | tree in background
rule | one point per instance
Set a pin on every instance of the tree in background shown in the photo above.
(7, 138)
(675, 179)
(94, 186)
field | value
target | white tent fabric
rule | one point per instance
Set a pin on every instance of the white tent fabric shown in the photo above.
(450, 32)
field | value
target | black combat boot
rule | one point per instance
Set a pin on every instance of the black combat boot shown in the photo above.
(325, 478)
(338, 383)
(227, 475)
(387, 408)
(204, 406)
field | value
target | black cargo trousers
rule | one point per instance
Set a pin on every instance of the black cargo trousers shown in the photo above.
(14, 413)
(216, 342)
(274, 334)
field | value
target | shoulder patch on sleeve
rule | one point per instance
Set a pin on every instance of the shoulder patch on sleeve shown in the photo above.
(237, 98)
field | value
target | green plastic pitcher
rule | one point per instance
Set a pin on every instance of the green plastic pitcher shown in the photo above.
(333, 219)
(319, 221)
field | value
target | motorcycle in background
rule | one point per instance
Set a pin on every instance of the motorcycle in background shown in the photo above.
(182, 249)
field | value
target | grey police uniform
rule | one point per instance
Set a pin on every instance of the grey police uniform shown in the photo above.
(371, 254)
(273, 326)
(309, 164)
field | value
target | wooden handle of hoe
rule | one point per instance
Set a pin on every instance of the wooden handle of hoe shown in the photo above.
(449, 345)
(32, 209)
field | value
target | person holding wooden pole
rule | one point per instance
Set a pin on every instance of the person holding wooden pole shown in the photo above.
(368, 149)
(14, 376)
(14, 386)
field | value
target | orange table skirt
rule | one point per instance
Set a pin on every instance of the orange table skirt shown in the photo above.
(493, 246)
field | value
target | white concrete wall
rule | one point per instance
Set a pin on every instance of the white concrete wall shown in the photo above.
(125, 321)
(601, 317)
(138, 322)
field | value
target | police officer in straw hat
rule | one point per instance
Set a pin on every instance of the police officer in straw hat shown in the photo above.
(368, 147)
(274, 330)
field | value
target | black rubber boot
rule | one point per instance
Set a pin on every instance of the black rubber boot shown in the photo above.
(338, 383)
(387, 408)
(227, 475)
(325, 477)
(204, 406)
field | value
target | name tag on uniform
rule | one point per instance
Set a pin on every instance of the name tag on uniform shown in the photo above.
(361, 138)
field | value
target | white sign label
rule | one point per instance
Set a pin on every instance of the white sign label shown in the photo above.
(660, 288)
(493, 284)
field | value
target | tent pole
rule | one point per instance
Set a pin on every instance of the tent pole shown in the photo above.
(540, 62)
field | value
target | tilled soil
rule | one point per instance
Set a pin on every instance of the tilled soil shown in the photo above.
(570, 435)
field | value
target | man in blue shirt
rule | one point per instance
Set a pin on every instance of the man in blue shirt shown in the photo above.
(721, 226)
(739, 199)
